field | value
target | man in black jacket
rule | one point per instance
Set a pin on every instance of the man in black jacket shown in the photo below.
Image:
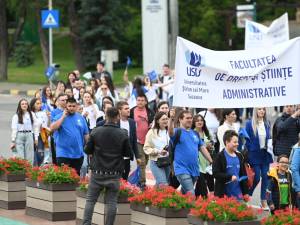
(285, 131)
(108, 145)
(229, 170)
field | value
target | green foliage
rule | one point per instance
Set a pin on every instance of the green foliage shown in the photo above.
(24, 54)
(113, 24)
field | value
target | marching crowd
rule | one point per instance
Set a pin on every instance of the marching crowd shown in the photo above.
(202, 150)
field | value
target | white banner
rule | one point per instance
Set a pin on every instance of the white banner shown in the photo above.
(258, 35)
(237, 79)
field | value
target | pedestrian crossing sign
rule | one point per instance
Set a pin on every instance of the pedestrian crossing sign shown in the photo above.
(50, 18)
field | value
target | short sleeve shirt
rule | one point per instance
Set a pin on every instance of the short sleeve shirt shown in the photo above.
(187, 153)
(70, 136)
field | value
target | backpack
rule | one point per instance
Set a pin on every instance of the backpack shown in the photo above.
(172, 145)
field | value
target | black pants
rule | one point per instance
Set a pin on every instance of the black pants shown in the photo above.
(53, 152)
(204, 181)
(126, 171)
(74, 163)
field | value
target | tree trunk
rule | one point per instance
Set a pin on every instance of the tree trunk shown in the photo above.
(43, 40)
(74, 35)
(20, 25)
(3, 41)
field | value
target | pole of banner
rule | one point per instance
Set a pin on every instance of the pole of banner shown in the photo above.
(50, 44)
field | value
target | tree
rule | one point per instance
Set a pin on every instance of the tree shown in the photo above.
(3, 41)
(73, 18)
(43, 39)
(110, 24)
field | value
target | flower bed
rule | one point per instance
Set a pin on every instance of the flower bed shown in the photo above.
(283, 217)
(51, 192)
(123, 207)
(160, 206)
(12, 186)
(217, 211)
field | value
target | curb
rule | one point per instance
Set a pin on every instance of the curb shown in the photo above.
(29, 93)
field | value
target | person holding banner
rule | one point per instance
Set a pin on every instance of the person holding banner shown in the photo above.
(259, 132)
(186, 164)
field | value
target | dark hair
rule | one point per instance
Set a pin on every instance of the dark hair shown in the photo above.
(96, 84)
(143, 96)
(68, 84)
(225, 113)
(20, 112)
(60, 95)
(106, 103)
(71, 100)
(205, 129)
(181, 113)
(101, 63)
(162, 103)
(120, 104)
(157, 117)
(228, 135)
(109, 98)
(166, 65)
(138, 86)
(60, 81)
(44, 97)
(282, 156)
(32, 103)
(110, 85)
(112, 113)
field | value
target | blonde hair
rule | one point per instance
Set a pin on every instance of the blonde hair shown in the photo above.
(255, 119)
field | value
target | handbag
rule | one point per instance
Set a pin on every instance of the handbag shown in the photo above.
(250, 174)
(163, 162)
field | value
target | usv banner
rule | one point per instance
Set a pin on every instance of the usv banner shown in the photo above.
(237, 79)
(258, 35)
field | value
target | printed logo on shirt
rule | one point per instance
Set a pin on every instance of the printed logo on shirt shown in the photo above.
(196, 140)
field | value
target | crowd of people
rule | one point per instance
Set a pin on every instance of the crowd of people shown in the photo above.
(201, 150)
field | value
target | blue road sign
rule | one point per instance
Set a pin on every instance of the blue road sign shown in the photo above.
(50, 18)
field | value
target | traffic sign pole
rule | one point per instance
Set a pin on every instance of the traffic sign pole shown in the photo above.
(50, 38)
(50, 44)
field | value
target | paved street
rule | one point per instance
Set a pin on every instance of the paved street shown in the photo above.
(8, 106)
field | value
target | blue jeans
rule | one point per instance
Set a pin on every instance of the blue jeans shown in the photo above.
(187, 183)
(161, 175)
(261, 170)
(97, 183)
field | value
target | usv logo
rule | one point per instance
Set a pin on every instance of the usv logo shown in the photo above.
(253, 28)
(195, 61)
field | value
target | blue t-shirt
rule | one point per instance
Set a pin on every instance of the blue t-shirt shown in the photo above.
(54, 113)
(233, 189)
(70, 136)
(186, 152)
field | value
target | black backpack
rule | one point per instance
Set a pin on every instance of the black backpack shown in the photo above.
(172, 145)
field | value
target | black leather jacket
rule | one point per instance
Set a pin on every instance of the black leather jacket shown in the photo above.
(108, 145)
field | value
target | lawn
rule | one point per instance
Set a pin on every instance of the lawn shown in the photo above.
(62, 54)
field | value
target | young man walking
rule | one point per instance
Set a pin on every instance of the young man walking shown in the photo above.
(108, 145)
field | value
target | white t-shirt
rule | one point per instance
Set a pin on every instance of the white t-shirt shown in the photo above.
(261, 130)
(125, 125)
(93, 114)
(223, 128)
(42, 119)
(212, 123)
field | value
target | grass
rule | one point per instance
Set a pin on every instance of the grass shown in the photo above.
(62, 54)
